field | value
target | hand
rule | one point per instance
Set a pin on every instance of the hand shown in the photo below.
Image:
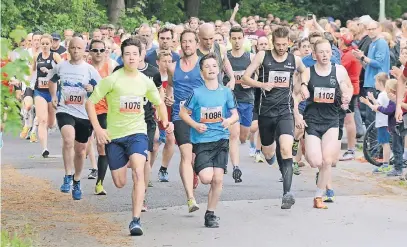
(101, 136)
(231, 84)
(15, 82)
(267, 86)
(169, 127)
(370, 96)
(345, 98)
(392, 97)
(399, 114)
(396, 72)
(403, 59)
(299, 122)
(200, 127)
(169, 101)
(358, 53)
(374, 108)
(304, 92)
(89, 88)
(364, 100)
(54, 102)
(236, 8)
(226, 123)
(345, 106)
(44, 70)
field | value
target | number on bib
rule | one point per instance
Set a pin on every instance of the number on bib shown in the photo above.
(280, 78)
(211, 114)
(75, 97)
(130, 104)
(42, 82)
(324, 95)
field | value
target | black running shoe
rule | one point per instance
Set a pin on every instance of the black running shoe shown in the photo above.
(211, 221)
(45, 153)
(93, 174)
(237, 174)
(288, 201)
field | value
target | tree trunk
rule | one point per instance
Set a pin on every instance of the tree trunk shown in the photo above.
(192, 7)
(114, 8)
(131, 3)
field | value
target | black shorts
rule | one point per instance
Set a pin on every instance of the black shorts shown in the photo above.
(102, 118)
(28, 92)
(342, 115)
(318, 130)
(83, 128)
(255, 116)
(182, 132)
(271, 128)
(353, 102)
(211, 154)
(151, 128)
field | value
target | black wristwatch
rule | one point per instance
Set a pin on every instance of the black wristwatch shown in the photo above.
(362, 59)
(303, 83)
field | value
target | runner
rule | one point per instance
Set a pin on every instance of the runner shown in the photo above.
(102, 65)
(77, 81)
(240, 60)
(183, 77)
(328, 82)
(44, 62)
(209, 131)
(165, 39)
(276, 116)
(126, 134)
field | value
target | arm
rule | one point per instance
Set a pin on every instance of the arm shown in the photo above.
(379, 55)
(304, 72)
(169, 97)
(57, 58)
(233, 16)
(256, 63)
(389, 110)
(345, 83)
(227, 67)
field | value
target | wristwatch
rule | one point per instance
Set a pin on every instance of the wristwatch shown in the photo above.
(362, 59)
(303, 83)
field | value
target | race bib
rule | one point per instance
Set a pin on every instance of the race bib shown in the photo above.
(280, 78)
(238, 76)
(324, 95)
(75, 96)
(130, 104)
(42, 82)
(211, 114)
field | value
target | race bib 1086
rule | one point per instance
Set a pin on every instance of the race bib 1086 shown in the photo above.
(280, 78)
(211, 114)
(324, 95)
(131, 104)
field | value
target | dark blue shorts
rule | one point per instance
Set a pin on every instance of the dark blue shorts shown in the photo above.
(245, 111)
(301, 107)
(44, 94)
(163, 136)
(119, 150)
(383, 135)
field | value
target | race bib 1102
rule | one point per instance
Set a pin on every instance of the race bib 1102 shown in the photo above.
(324, 95)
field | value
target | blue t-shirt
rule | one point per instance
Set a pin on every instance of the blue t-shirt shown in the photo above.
(379, 54)
(336, 58)
(210, 107)
(152, 58)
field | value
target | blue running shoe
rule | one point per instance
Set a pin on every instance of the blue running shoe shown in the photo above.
(330, 196)
(76, 191)
(66, 186)
(163, 176)
(135, 227)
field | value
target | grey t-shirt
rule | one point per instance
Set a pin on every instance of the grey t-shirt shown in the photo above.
(71, 93)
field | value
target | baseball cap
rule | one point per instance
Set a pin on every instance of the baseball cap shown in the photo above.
(56, 36)
(347, 38)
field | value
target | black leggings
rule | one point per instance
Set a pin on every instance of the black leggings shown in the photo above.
(286, 169)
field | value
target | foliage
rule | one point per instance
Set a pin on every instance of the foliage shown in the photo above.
(13, 241)
(133, 17)
(9, 108)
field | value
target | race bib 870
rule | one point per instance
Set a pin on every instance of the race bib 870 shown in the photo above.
(75, 96)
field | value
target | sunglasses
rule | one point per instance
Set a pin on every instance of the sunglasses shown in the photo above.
(98, 50)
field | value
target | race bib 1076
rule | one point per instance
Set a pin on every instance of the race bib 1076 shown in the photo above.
(131, 104)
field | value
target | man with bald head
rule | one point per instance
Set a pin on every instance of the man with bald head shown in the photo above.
(206, 44)
(78, 79)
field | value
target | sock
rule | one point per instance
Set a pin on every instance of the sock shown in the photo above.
(35, 126)
(351, 150)
(257, 151)
(162, 168)
(252, 145)
(136, 219)
(319, 193)
(102, 168)
(235, 166)
(74, 181)
(385, 164)
(286, 168)
(209, 212)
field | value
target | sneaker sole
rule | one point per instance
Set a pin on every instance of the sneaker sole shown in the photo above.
(136, 232)
(237, 176)
(193, 209)
(216, 226)
(163, 181)
(102, 193)
(91, 177)
(329, 200)
(288, 202)
(45, 154)
(65, 191)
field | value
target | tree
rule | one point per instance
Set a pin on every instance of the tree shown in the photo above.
(192, 7)
(115, 8)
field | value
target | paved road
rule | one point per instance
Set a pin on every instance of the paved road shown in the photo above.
(250, 214)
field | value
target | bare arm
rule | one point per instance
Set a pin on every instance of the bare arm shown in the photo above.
(233, 16)
(57, 58)
(184, 115)
(256, 63)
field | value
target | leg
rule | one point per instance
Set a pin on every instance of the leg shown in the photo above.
(79, 159)
(234, 144)
(90, 152)
(42, 114)
(186, 170)
(147, 170)
(68, 139)
(244, 133)
(137, 163)
(168, 150)
(286, 165)
(216, 188)
(155, 147)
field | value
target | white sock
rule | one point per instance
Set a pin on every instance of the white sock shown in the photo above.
(319, 193)
(405, 154)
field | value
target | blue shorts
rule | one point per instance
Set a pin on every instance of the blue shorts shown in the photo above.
(245, 111)
(119, 150)
(163, 136)
(301, 107)
(383, 135)
(44, 94)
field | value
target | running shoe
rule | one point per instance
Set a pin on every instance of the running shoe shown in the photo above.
(295, 147)
(252, 152)
(135, 227)
(162, 176)
(33, 137)
(99, 189)
(348, 155)
(144, 207)
(192, 205)
(330, 196)
(76, 191)
(196, 181)
(66, 186)
(211, 221)
(281, 179)
(259, 158)
(24, 132)
(382, 169)
(288, 201)
(296, 168)
(45, 153)
(394, 173)
(319, 204)
(237, 174)
(93, 174)
(150, 184)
